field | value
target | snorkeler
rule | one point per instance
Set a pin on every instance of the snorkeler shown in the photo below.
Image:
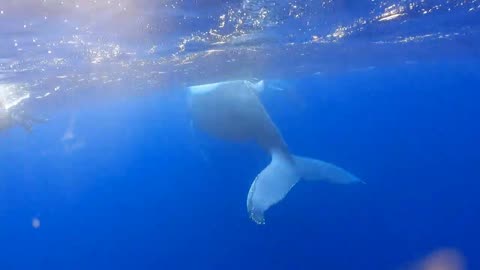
(9, 119)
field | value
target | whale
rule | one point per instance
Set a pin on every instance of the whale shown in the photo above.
(233, 111)
(10, 118)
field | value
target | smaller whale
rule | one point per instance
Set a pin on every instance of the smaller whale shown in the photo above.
(231, 110)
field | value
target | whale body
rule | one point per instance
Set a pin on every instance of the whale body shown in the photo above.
(232, 110)
(5, 119)
(9, 119)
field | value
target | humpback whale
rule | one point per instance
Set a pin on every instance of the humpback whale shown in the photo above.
(9, 118)
(232, 110)
(4, 117)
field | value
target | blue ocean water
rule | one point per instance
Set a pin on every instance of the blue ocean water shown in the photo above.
(118, 177)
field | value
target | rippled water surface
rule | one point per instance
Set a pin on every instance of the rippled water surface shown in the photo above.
(51, 47)
(117, 177)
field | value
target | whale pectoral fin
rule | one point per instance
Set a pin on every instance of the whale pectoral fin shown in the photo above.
(26, 121)
(313, 169)
(271, 186)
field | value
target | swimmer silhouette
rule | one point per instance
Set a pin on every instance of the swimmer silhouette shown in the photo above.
(231, 110)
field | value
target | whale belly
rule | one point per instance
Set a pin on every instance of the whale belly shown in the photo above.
(233, 111)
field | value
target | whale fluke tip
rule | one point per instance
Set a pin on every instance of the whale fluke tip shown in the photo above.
(257, 216)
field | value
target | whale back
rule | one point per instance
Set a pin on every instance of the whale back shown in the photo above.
(233, 111)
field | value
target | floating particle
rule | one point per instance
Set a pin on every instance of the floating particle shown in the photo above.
(36, 223)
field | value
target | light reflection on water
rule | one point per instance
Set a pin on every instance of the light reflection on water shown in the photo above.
(55, 46)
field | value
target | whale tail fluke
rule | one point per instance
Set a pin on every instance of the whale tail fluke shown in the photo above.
(284, 171)
(314, 169)
(271, 185)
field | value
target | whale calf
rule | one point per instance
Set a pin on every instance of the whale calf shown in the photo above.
(9, 119)
(5, 120)
(232, 110)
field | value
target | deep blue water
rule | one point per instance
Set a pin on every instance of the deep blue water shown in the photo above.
(139, 188)
(119, 178)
